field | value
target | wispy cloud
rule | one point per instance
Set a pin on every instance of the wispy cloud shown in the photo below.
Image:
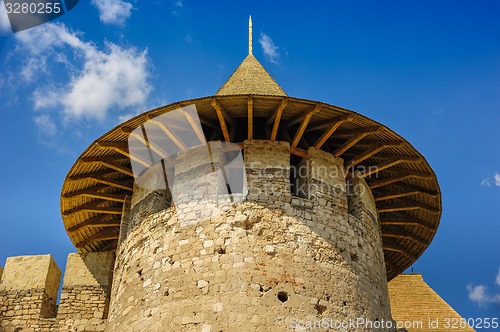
(45, 124)
(178, 3)
(113, 78)
(495, 179)
(4, 20)
(113, 11)
(479, 293)
(271, 51)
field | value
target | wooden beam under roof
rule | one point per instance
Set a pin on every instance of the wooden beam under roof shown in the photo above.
(109, 164)
(93, 193)
(358, 135)
(397, 248)
(303, 125)
(177, 141)
(220, 114)
(105, 234)
(392, 161)
(111, 246)
(276, 118)
(123, 149)
(197, 126)
(399, 177)
(337, 122)
(142, 137)
(250, 117)
(300, 118)
(372, 151)
(385, 196)
(96, 221)
(404, 219)
(298, 152)
(94, 206)
(399, 235)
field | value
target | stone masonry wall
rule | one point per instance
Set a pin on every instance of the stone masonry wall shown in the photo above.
(255, 259)
(268, 263)
(29, 287)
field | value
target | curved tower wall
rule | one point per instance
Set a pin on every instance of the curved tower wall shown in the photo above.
(269, 262)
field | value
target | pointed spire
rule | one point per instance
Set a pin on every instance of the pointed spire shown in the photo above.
(250, 46)
(250, 78)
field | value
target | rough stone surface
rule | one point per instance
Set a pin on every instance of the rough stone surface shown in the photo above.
(29, 286)
(258, 264)
(218, 259)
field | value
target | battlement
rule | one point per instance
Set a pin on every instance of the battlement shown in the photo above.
(29, 287)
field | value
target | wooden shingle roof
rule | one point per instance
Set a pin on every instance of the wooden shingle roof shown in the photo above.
(413, 301)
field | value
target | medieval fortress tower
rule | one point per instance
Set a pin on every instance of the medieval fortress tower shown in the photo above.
(245, 211)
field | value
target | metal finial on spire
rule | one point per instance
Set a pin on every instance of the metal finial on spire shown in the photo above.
(250, 35)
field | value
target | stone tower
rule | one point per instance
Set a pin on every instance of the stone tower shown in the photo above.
(245, 211)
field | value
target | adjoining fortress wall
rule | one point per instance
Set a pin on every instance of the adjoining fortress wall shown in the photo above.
(29, 287)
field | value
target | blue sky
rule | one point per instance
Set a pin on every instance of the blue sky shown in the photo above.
(430, 70)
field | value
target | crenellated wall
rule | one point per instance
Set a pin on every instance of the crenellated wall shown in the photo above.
(29, 287)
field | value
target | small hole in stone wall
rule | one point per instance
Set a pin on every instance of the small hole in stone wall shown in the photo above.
(282, 296)
(139, 272)
(220, 250)
(320, 308)
(354, 257)
(344, 303)
(166, 293)
(18, 330)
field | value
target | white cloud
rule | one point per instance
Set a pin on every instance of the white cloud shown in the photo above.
(4, 20)
(112, 79)
(495, 179)
(270, 49)
(480, 295)
(179, 3)
(113, 11)
(485, 182)
(45, 125)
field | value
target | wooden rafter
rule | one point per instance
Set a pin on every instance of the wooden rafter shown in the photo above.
(303, 125)
(195, 125)
(98, 195)
(109, 164)
(250, 118)
(177, 141)
(337, 122)
(102, 235)
(147, 143)
(358, 136)
(220, 115)
(298, 152)
(372, 151)
(94, 206)
(393, 195)
(111, 246)
(276, 118)
(399, 177)
(123, 149)
(397, 248)
(396, 234)
(82, 192)
(405, 186)
(403, 219)
(96, 221)
(392, 161)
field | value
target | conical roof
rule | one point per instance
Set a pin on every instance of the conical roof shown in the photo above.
(413, 300)
(251, 78)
